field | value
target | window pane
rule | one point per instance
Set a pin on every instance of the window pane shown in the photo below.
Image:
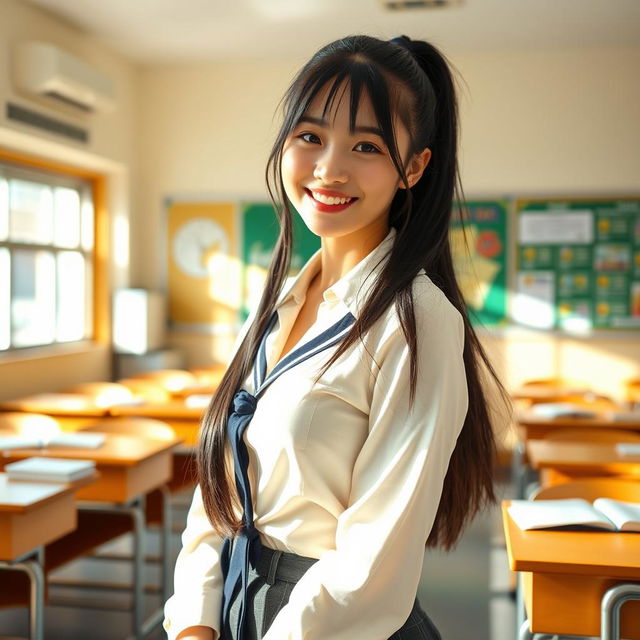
(33, 301)
(88, 307)
(87, 222)
(5, 292)
(71, 296)
(4, 208)
(67, 213)
(31, 212)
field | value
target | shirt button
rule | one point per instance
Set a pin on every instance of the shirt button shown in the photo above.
(329, 296)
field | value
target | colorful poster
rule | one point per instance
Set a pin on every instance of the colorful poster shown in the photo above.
(479, 248)
(592, 248)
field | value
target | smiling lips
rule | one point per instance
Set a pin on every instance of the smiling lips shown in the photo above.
(329, 201)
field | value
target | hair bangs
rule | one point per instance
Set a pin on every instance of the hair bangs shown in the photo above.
(361, 77)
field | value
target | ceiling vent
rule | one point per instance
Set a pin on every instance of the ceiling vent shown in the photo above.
(45, 70)
(401, 5)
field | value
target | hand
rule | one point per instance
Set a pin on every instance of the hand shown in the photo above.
(197, 633)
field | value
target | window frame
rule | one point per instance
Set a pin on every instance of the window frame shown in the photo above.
(93, 186)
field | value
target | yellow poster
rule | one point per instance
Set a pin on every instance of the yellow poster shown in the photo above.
(204, 271)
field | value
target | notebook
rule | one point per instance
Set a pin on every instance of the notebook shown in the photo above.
(561, 410)
(50, 469)
(628, 448)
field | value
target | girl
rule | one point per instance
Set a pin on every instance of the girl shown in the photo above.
(351, 428)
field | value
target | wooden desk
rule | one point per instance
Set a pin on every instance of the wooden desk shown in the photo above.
(545, 393)
(194, 389)
(568, 573)
(129, 468)
(184, 420)
(72, 411)
(579, 459)
(534, 427)
(32, 515)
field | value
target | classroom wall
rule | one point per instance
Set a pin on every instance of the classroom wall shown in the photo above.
(533, 123)
(111, 151)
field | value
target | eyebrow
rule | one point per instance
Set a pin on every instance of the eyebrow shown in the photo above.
(323, 123)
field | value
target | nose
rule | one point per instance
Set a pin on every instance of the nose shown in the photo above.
(331, 167)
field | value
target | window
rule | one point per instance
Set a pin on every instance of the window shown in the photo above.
(46, 258)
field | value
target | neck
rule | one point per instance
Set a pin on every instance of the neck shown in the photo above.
(339, 255)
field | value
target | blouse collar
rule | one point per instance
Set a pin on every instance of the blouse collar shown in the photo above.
(354, 285)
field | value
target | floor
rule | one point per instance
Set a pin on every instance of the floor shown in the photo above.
(465, 592)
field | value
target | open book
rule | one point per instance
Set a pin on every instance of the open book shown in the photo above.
(604, 513)
(72, 440)
(50, 469)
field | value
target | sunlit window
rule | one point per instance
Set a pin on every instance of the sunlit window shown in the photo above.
(46, 259)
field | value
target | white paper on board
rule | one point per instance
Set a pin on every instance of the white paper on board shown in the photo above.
(534, 299)
(556, 227)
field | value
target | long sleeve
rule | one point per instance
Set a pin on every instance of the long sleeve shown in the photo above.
(197, 580)
(364, 588)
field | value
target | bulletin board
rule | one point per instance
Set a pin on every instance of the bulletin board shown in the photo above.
(480, 256)
(578, 264)
(260, 232)
(218, 254)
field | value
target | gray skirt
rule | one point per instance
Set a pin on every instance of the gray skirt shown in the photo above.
(269, 587)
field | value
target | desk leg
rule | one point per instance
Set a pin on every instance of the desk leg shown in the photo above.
(612, 601)
(519, 470)
(33, 568)
(521, 615)
(165, 544)
(136, 511)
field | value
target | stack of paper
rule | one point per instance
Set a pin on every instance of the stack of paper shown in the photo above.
(624, 416)
(561, 410)
(628, 448)
(50, 469)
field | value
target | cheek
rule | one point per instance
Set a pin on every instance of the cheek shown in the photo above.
(293, 165)
(383, 180)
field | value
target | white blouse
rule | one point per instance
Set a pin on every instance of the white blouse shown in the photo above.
(344, 469)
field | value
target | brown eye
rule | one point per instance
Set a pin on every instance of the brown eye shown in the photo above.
(367, 147)
(311, 138)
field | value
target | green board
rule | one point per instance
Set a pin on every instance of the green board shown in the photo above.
(578, 264)
(260, 233)
(480, 260)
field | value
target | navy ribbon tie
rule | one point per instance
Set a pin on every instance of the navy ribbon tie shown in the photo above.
(244, 549)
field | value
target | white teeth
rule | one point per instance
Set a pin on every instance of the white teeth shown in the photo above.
(330, 199)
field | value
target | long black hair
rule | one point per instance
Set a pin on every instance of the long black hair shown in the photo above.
(411, 80)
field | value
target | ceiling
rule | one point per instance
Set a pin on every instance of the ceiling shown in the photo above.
(187, 31)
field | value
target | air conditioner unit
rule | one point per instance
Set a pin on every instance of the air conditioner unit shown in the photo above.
(45, 70)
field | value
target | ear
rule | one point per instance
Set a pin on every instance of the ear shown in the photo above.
(416, 166)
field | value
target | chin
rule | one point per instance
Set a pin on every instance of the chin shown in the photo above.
(331, 228)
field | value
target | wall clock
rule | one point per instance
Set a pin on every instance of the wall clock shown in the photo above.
(195, 242)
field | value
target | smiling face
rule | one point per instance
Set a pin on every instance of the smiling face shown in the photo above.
(342, 180)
